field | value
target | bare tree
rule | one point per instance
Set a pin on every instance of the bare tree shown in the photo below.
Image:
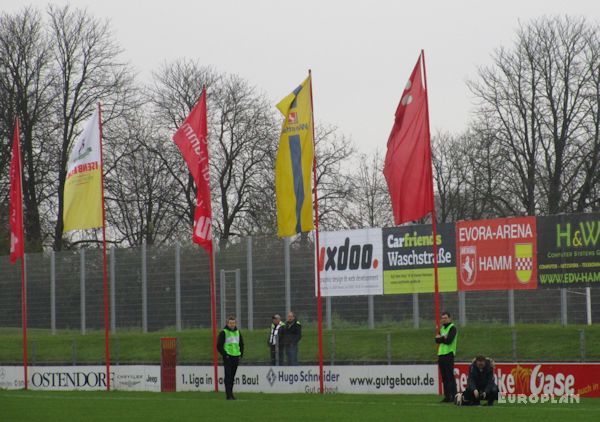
(140, 192)
(369, 204)
(539, 102)
(244, 131)
(242, 135)
(24, 92)
(334, 182)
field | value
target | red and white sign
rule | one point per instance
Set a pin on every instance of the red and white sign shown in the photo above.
(498, 254)
(556, 379)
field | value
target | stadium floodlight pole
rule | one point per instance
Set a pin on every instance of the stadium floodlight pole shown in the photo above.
(433, 215)
(105, 283)
(316, 198)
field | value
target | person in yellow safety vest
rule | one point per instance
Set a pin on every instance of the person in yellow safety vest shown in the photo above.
(447, 339)
(231, 346)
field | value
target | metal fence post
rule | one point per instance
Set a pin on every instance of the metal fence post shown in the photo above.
(82, 288)
(389, 348)
(250, 286)
(222, 296)
(238, 297)
(144, 290)
(332, 348)
(178, 287)
(416, 316)
(582, 344)
(563, 306)
(74, 351)
(328, 312)
(288, 284)
(511, 308)
(371, 304)
(53, 292)
(462, 308)
(588, 305)
(113, 293)
(514, 344)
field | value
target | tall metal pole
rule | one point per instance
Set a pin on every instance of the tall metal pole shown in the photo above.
(316, 199)
(105, 283)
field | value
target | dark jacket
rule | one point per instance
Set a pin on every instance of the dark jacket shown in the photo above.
(450, 337)
(221, 342)
(291, 333)
(481, 379)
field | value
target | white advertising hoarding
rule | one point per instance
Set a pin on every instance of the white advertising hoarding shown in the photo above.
(350, 262)
(393, 379)
(123, 377)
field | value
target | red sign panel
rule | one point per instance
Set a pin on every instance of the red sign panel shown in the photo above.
(554, 379)
(498, 254)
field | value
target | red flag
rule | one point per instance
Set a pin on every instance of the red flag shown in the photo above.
(192, 140)
(17, 240)
(407, 166)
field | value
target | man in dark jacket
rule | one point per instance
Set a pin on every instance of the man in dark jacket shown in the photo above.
(231, 347)
(480, 385)
(291, 335)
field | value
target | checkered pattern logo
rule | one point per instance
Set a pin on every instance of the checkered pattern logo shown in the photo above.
(524, 264)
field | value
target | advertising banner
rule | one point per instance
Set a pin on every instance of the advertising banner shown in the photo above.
(393, 379)
(569, 250)
(497, 254)
(350, 263)
(554, 379)
(408, 259)
(123, 377)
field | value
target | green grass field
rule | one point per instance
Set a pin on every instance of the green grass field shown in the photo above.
(352, 344)
(33, 406)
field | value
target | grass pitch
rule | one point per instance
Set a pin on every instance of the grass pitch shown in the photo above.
(44, 406)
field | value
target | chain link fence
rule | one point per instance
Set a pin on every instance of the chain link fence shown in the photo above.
(168, 288)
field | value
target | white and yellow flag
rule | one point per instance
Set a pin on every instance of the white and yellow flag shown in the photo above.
(83, 187)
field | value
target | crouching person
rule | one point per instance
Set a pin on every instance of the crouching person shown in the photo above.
(480, 385)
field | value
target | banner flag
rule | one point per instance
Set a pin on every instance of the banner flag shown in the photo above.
(17, 241)
(192, 140)
(407, 167)
(83, 187)
(293, 167)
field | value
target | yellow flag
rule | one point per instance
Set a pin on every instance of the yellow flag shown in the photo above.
(293, 168)
(83, 187)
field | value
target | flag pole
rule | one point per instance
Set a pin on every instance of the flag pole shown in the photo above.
(316, 198)
(213, 293)
(105, 284)
(23, 276)
(433, 215)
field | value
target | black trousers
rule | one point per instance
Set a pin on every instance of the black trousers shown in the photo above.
(491, 394)
(274, 355)
(446, 364)
(230, 363)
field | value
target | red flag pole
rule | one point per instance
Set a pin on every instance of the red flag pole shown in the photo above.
(433, 215)
(23, 276)
(213, 317)
(213, 289)
(105, 284)
(316, 198)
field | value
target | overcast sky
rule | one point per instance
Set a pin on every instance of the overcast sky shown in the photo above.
(361, 53)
